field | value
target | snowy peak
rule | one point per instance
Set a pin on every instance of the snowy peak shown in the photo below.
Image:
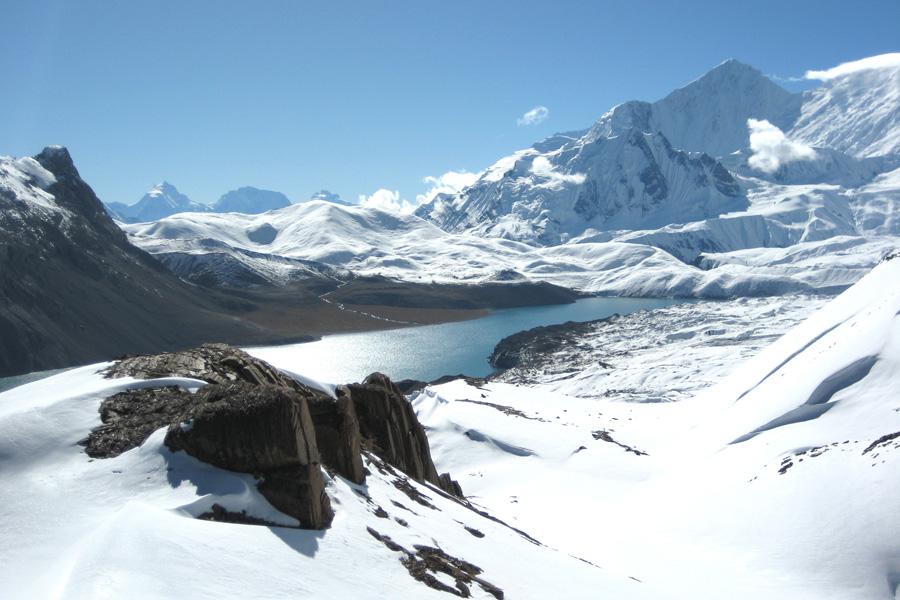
(250, 200)
(166, 194)
(632, 180)
(856, 111)
(161, 201)
(710, 113)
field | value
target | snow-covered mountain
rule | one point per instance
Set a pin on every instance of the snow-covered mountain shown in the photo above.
(162, 200)
(710, 114)
(633, 169)
(369, 241)
(165, 200)
(856, 109)
(72, 287)
(250, 200)
(632, 180)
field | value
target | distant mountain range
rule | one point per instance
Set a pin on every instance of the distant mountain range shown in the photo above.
(165, 200)
(72, 287)
(728, 186)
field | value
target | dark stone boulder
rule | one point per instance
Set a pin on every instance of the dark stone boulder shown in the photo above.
(130, 417)
(450, 485)
(337, 434)
(265, 430)
(390, 429)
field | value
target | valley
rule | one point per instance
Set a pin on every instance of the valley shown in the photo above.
(654, 357)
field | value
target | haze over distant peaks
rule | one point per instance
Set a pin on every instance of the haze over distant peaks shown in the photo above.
(327, 196)
(250, 200)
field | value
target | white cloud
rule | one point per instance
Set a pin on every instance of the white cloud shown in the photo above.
(541, 167)
(771, 148)
(881, 61)
(448, 183)
(536, 115)
(388, 200)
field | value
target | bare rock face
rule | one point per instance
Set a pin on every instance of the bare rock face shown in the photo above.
(265, 430)
(251, 418)
(130, 417)
(337, 435)
(391, 430)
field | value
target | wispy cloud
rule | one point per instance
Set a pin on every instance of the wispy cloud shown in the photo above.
(448, 183)
(536, 115)
(881, 61)
(542, 167)
(771, 148)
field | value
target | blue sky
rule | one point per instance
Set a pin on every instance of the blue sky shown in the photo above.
(356, 96)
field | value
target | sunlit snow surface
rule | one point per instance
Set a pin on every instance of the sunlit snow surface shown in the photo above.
(632, 465)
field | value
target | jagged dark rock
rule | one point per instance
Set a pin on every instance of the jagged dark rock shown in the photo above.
(261, 429)
(411, 386)
(390, 429)
(130, 417)
(337, 434)
(424, 563)
(251, 418)
(450, 485)
(528, 348)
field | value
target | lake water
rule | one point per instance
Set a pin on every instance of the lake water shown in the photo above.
(425, 352)
(8, 383)
(430, 351)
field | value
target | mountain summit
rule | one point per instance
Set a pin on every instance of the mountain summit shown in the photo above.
(161, 201)
(645, 165)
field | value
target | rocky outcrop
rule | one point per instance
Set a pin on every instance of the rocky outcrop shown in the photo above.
(390, 429)
(251, 418)
(212, 363)
(338, 436)
(529, 348)
(266, 430)
(130, 417)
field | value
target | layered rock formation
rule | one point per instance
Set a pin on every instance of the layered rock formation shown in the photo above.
(251, 418)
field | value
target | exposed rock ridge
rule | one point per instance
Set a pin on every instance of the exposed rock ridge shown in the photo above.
(252, 418)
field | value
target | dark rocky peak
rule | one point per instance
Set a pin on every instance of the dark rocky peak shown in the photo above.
(71, 192)
(58, 161)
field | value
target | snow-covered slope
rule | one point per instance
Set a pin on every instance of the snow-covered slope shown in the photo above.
(857, 112)
(641, 466)
(777, 481)
(125, 527)
(250, 200)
